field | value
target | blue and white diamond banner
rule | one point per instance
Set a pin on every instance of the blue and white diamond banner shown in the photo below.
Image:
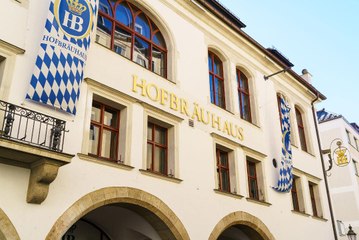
(285, 176)
(59, 66)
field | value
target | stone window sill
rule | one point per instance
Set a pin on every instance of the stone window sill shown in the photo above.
(320, 218)
(161, 176)
(259, 202)
(229, 194)
(300, 213)
(104, 162)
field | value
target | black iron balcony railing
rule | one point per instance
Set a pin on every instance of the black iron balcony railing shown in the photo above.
(30, 127)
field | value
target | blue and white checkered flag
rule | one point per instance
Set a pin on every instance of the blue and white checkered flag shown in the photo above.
(285, 176)
(63, 50)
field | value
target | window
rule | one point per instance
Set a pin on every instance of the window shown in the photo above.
(348, 136)
(157, 148)
(297, 195)
(2, 67)
(216, 80)
(128, 31)
(223, 170)
(356, 143)
(314, 197)
(104, 132)
(252, 180)
(301, 129)
(243, 95)
(355, 165)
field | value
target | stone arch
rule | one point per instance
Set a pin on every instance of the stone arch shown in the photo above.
(241, 218)
(7, 229)
(113, 195)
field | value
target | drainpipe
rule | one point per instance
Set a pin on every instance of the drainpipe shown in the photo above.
(323, 167)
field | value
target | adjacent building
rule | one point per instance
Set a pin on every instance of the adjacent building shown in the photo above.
(174, 132)
(343, 177)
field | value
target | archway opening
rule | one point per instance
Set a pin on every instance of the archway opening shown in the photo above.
(119, 221)
(240, 232)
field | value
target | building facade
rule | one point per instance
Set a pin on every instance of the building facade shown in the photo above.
(176, 134)
(343, 177)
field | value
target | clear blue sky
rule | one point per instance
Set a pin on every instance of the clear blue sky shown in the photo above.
(321, 36)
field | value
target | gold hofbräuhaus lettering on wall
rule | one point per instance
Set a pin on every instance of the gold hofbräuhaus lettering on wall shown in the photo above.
(181, 105)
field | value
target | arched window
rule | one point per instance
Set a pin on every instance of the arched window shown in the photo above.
(301, 130)
(243, 95)
(216, 80)
(128, 31)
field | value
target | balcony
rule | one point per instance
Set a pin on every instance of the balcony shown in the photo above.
(34, 141)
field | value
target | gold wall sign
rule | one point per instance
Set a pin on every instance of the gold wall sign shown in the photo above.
(341, 154)
(181, 105)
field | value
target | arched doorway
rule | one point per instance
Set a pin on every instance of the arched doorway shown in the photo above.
(7, 229)
(240, 225)
(118, 213)
(240, 232)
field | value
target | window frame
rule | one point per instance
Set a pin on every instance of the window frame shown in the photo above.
(252, 178)
(295, 197)
(102, 126)
(213, 94)
(154, 29)
(221, 167)
(301, 129)
(313, 198)
(356, 169)
(243, 92)
(154, 145)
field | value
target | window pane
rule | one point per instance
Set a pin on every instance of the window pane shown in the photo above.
(302, 139)
(159, 40)
(108, 144)
(149, 131)
(225, 180)
(218, 67)
(104, 31)
(219, 92)
(159, 163)
(210, 64)
(105, 7)
(96, 113)
(245, 107)
(149, 156)
(122, 42)
(224, 159)
(158, 62)
(110, 118)
(94, 138)
(141, 53)
(160, 135)
(211, 88)
(142, 26)
(253, 189)
(252, 170)
(243, 82)
(123, 14)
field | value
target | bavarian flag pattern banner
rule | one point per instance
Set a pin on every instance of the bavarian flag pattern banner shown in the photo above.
(63, 50)
(285, 176)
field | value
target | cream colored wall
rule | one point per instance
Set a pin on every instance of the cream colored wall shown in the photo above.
(192, 33)
(343, 182)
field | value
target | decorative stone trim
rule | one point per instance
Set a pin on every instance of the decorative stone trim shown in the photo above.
(161, 176)
(7, 229)
(229, 194)
(104, 162)
(300, 213)
(259, 202)
(43, 163)
(112, 195)
(241, 218)
(320, 218)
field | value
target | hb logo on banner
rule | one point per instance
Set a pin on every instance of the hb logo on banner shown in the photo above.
(63, 50)
(70, 14)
